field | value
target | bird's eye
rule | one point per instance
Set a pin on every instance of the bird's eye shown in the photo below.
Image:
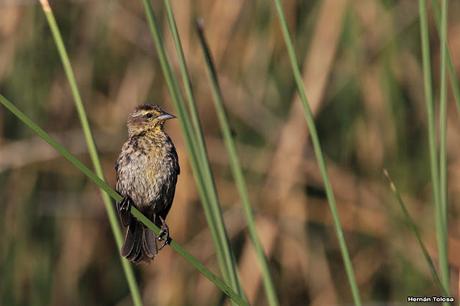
(149, 115)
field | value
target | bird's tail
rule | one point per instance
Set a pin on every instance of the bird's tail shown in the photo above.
(140, 243)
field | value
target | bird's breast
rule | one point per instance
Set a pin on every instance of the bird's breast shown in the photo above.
(144, 175)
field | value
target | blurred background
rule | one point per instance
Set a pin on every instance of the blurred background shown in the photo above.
(361, 63)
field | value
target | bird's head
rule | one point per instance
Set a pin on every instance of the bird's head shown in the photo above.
(147, 117)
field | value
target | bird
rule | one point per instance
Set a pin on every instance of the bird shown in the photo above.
(146, 171)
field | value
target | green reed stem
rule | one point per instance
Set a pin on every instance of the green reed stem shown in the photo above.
(201, 169)
(441, 234)
(134, 289)
(444, 263)
(114, 195)
(237, 172)
(454, 83)
(198, 131)
(318, 153)
(410, 222)
(203, 161)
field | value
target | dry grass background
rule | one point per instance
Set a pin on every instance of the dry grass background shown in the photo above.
(363, 74)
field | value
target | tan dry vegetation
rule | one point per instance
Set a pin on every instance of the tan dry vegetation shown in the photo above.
(362, 71)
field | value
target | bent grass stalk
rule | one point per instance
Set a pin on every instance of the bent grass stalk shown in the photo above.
(236, 169)
(318, 154)
(410, 222)
(203, 175)
(226, 289)
(134, 289)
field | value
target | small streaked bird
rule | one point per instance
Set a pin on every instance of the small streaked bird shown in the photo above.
(147, 171)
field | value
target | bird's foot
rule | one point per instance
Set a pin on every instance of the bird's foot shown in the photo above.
(164, 234)
(124, 210)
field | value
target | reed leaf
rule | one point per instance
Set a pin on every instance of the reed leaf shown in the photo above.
(200, 165)
(441, 235)
(413, 227)
(443, 259)
(318, 153)
(235, 167)
(454, 83)
(129, 274)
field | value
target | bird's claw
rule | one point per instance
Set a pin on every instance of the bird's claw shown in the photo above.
(164, 234)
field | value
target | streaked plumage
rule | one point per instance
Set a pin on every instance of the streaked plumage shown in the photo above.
(147, 171)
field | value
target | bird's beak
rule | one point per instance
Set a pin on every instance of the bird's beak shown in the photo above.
(165, 116)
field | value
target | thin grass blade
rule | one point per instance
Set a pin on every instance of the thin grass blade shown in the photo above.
(202, 174)
(443, 259)
(318, 154)
(189, 139)
(434, 165)
(197, 133)
(410, 222)
(134, 289)
(235, 166)
(454, 83)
